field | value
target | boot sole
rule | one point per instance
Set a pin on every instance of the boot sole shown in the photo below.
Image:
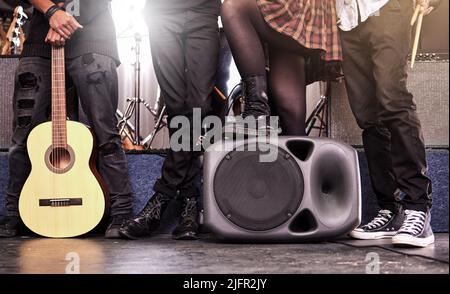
(6, 236)
(189, 236)
(125, 235)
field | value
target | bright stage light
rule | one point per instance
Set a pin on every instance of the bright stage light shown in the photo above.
(128, 17)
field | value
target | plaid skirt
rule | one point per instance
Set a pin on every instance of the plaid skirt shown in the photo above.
(312, 23)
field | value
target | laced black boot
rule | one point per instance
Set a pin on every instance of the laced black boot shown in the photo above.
(255, 97)
(188, 227)
(148, 220)
(11, 226)
(112, 232)
(256, 106)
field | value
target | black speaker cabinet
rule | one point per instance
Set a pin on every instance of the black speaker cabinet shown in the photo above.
(7, 69)
(428, 82)
(310, 190)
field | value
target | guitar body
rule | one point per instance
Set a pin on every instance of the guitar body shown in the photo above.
(62, 196)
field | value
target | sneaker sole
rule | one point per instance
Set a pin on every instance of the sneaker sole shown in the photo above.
(410, 241)
(372, 236)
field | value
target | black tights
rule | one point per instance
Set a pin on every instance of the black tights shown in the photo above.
(247, 31)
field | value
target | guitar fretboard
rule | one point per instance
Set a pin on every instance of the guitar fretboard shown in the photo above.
(59, 115)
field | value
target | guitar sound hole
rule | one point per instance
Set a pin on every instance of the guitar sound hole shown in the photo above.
(60, 160)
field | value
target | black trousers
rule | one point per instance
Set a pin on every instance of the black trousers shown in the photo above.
(95, 79)
(375, 68)
(185, 50)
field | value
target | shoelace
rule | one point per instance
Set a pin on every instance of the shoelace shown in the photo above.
(187, 214)
(383, 217)
(253, 107)
(153, 210)
(414, 222)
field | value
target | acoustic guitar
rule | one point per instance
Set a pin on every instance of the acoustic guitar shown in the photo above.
(63, 195)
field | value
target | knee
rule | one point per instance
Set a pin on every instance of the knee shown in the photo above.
(199, 108)
(289, 106)
(97, 68)
(394, 95)
(364, 123)
(27, 81)
(403, 104)
(230, 8)
(26, 87)
(14, 149)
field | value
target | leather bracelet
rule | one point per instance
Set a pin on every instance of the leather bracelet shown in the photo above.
(52, 10)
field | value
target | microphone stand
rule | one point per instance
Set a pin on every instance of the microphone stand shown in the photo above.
(132, 133)
(137, 90)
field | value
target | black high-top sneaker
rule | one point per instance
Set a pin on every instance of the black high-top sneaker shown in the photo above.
(416, 230)
(188, 227)
(11, 226)
(384, 225)
(148, 220)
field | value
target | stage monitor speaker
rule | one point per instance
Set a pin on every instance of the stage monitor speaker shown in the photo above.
(7, 69)
(428, 82)
(311, 191)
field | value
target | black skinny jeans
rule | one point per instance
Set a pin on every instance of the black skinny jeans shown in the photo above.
(95, 79)
(185, 51)
(375, 68)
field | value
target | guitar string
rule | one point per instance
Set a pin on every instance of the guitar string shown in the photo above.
(54, 155)
(59, 109)
(62, 108)
(54, 126)
(57, 131)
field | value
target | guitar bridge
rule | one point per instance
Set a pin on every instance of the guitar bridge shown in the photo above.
(60, 202)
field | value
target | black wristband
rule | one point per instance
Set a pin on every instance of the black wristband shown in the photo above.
(49, 13)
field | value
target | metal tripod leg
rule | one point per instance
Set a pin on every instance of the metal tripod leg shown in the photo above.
(147, 142)
(124, 121)
(320, 111)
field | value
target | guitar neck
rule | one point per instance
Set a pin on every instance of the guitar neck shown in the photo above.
(59, 115)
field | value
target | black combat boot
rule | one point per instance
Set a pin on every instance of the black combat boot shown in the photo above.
(188, 227)
(256, 105)
(112, 232)
(148, 220)
(255, 97)
(11, 226)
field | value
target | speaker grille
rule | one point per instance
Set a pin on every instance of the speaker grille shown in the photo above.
(255, 195)
(428, 82)
(7, 69)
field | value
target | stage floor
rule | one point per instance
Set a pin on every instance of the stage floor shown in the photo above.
(161, 254)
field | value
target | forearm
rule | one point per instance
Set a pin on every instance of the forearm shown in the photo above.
(62, 24)
(42, 5)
